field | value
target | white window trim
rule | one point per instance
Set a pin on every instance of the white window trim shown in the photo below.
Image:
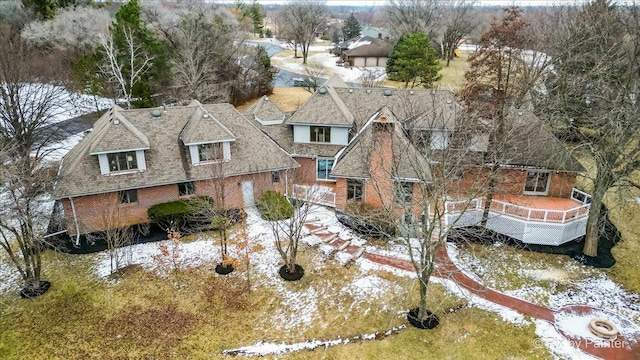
(316, 170)
(105, 169)
(195, 155)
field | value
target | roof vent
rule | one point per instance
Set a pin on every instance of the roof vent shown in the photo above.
(350, 91)
(387, 93)
(411, 92)
(116, 122)
(156, 113)
(368, 91)
(266, 98)
(449, 101)
(205, 115)
(519, 113)
(322, 91)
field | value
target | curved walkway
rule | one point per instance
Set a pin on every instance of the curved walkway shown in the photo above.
(620, 349)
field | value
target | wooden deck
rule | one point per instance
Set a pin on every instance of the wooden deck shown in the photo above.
(539, 202)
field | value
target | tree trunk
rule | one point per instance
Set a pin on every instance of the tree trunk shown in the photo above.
(601, 184)
(490, 192)
(422, 309)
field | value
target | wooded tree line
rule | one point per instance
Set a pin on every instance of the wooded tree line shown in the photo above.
(154, 53)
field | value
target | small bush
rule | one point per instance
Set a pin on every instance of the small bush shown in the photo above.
(274, 206)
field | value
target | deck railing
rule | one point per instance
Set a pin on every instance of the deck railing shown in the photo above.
(580, 196)
(316, 194)
(527, 213)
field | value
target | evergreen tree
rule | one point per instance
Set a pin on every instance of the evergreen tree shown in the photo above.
(413, 60)
(255, 13)
(351, 27)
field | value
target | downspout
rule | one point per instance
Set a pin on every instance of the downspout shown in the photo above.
(286, 182)
(75, 221)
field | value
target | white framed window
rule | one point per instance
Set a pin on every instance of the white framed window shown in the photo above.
(537, 182)
(323, 169)
(122, 161)
(210, 152)
(320, 134)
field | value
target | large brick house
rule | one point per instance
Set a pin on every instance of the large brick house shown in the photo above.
(343, 146)
(358, 145)
(134, 159)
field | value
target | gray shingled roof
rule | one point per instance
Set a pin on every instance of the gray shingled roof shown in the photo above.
(335, 81)
(323, 107)
(168, 159)
(264, 110)
(117, 134)
(408, 162)
(530, 142)
(203, 127)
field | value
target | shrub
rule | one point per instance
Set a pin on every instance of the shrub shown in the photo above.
(177, 213)
(367, 221)
(274, 206)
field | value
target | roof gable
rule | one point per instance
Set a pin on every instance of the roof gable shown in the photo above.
(265, 112)
(203, 127)
(116, 134)
(408, 162)
(324, 107)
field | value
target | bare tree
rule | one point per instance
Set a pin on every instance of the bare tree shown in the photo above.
(73, 28)
(124, 69)
(305, 19)
(316, 72)
(593, 93)
(28, 103)
(406, 17)
(495, 85)
(371, 77)
(287, 223)
(459, 21)
(117, 235)
(416, 182)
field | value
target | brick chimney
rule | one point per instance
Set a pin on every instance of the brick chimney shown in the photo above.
(381, 161)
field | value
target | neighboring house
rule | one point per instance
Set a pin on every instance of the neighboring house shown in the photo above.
(339, 133)
(134, 159)
(366, 51)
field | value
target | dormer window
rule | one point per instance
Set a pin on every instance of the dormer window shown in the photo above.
(122, 161)
(320, 134)
(210, 152)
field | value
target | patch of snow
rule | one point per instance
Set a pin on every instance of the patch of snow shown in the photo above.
(601, 292)
(557, 344)
(577, 325)
(150, 256)
(369, 286)
(55, 152)
(9, 275)
(505, 313)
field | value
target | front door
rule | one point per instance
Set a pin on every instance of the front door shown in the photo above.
(247, 193)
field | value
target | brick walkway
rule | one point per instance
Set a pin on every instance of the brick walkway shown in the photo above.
(622, 349)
